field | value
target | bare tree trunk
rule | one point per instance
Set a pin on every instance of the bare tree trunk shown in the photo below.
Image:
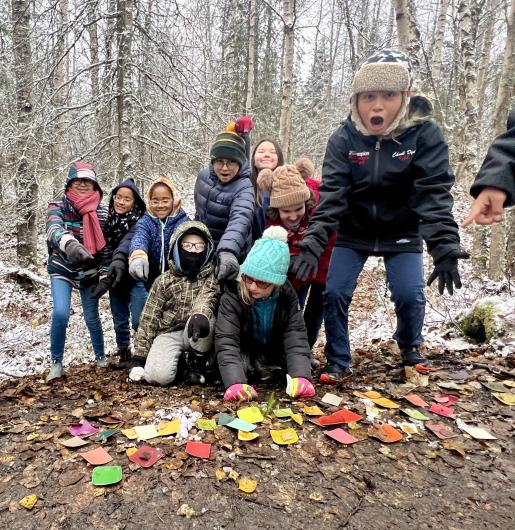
(123, 84)
(287, 88)
(94, 72)
(468, 149)
(505, 90)
(407, 29)
(252, 52)
(26, 185)
(57, 150)
(436, 58)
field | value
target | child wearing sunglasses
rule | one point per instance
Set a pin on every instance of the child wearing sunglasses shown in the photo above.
(260, 333)
(178, 319)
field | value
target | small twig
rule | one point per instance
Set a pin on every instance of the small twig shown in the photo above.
(258, 457)
(353, 511)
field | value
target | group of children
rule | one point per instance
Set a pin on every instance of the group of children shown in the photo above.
(245, 286)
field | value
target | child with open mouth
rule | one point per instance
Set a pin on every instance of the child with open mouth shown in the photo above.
(385, 187)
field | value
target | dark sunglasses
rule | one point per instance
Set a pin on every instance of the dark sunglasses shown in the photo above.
(249, 281)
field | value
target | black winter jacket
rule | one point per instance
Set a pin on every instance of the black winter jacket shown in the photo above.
(498, 169)
(383, 195)
(235, 344)
(226, 209)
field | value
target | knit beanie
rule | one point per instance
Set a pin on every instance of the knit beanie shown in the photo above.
(305, 167)
(385, 70)
(82, 170)
(233, 143)
(285, 185)
(269, 257)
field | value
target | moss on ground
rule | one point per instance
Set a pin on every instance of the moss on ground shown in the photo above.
(479, 324)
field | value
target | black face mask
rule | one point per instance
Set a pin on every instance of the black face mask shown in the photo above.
(191, 262)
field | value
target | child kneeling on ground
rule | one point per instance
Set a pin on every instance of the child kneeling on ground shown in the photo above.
(260, 331)
(178, 318)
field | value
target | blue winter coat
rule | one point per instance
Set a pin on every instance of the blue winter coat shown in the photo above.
(227, 209)
(153, 237)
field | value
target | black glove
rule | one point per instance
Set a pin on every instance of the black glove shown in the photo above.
(446, 270)
(101, 288)
(76, 252)
(198, 327)
(305, 265)
(227, 267)
(118, 268)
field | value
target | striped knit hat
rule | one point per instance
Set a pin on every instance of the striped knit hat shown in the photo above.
(230, 145)
(82, 170)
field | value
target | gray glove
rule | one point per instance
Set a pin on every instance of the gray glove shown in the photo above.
(227, 267)
(138, 269)
(76, 252)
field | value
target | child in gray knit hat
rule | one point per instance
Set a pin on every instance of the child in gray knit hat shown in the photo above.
(385, 187)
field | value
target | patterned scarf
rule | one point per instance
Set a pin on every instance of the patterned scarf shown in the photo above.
(118, 225)
(86, 206)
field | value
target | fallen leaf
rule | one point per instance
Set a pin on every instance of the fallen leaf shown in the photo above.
(247, 485)
(70, 477)
(384, 432)
(454, 447)
(505, 397)
(442, 410)
(29, 501)
(441, 430)
(32, 436)
(220, 474)
(415, 414)
(416, 400)
(250, 414)
(247, 436)
(476, 432)
(316, 496)
(313, 411)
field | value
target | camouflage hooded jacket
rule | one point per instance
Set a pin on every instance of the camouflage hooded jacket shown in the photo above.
(175, 297)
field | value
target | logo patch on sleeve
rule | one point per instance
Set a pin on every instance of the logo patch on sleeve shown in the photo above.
(359, 157)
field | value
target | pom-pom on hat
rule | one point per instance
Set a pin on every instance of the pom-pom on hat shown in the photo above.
(285, 185)
(305, 167)
(269, 257)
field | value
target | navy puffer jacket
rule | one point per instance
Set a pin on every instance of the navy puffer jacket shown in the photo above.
(227, 209)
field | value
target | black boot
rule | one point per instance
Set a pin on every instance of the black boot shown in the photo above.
(124, 358)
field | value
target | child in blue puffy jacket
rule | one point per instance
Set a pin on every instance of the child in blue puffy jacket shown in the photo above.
(150, 244)
(224, 198)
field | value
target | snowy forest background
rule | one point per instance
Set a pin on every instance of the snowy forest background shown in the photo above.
(141, 87)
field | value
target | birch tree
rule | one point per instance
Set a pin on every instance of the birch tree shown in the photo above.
(26, 185)
(287, 83)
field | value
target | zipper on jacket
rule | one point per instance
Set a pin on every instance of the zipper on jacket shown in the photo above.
(162, 260)
(374, 184)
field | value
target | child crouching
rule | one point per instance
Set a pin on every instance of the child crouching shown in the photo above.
(260, 331)
(178, 318)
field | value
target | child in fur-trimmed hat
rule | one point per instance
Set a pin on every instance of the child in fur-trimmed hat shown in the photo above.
(385, 187)
(292, 204)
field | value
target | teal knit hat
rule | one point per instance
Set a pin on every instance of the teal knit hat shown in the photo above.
(269, 257)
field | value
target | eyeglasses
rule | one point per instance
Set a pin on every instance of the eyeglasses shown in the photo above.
(198, 247)
(123, 200)
(249, 281)
(219, 163)
(82, 182)
(163, 202)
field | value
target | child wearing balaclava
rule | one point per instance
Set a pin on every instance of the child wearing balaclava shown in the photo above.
(178, 319)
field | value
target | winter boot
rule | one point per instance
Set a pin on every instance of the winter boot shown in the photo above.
(124, 358)
(333, 373)
(412, 356)
(55, 372)
(101, 362)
